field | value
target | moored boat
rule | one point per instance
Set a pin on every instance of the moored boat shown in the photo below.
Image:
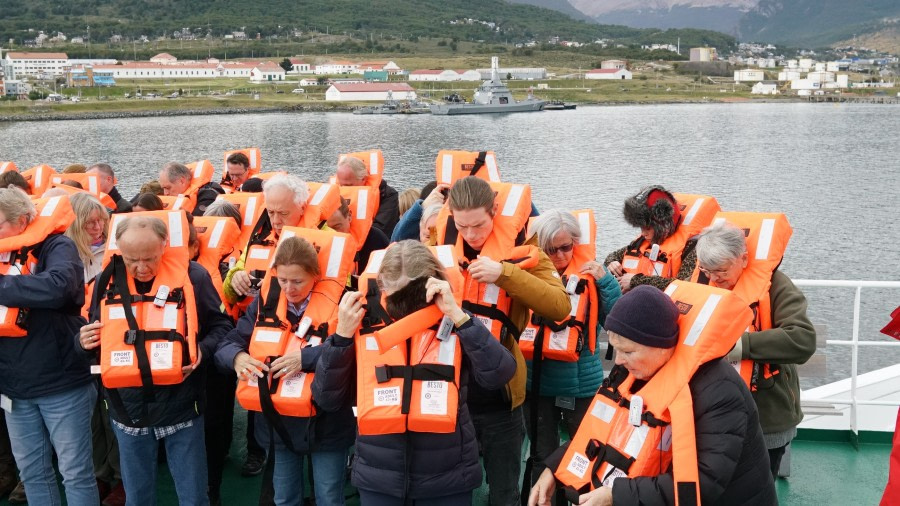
(491, 97)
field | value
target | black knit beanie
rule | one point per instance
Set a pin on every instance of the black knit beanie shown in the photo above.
(646, 316)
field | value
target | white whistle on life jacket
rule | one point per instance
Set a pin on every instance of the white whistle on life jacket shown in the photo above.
(443, 332)
(162, 295)
(303, 327)
(572, 285)
(636, 410)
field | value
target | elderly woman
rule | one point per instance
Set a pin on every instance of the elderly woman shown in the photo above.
(730, 454)
(775, 348)
(48, 391)
(414, 467)
(427, 224)
(567, 388)
(88, 232)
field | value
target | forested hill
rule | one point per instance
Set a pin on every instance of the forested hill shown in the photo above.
(360, 18)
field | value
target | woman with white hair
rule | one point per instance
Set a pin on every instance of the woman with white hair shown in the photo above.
(566, 387)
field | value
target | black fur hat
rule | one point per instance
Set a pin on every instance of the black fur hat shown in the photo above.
(653, 207)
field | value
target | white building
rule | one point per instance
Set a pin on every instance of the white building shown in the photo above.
(308, 82)
(185, 70)
(749, 75)
(524, 73)
(608, 74)
(614, 64)
(267, 72)
(789, 75)
(765, 88)
(805, 64)
(703, 53)
(432, 75)
(299, 66)
(15, 88)
(37, 64)
(388, 66)
(369, 92)
(337, 67)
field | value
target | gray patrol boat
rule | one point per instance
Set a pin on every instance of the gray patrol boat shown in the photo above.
(491, 97)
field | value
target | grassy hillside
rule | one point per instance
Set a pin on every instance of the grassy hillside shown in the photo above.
(368, 20)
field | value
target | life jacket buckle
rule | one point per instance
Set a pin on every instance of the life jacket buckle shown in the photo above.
(130, 337)
(382, 374)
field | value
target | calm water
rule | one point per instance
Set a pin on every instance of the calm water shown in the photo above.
(833, 169)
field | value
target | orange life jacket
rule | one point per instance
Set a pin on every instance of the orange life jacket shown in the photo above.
(89, 183)
(454, 165)
(487, 301)
(54, 215)
(767, 239)
(7, 166)
(202, 173)
(253, 154)
(363, 203)
(697, 212)
(218, 237)
(251, 206)
(273, 336)
(564, 340)
(38, 178)
(147, 338)
(611, 442)
(374, 161)
(408, 371)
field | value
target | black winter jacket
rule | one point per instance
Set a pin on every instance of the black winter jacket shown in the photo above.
(43, 362)
(172, 404)
(327, 431)
(417, 465)
(388, 209)
(732, 459)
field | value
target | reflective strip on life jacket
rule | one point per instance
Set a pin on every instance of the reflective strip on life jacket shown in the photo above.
(251, 206)
(54, 215)
(697, 212)
(454, 165)
(324, 199)
(103, 198)
(767, 236)
(607, 445)
(147, 338)
(8, 166)
(38, 178)
(273, 336)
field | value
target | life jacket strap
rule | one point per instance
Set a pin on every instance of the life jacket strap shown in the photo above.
(410, 373)
(376, 316)
(599, 453)
(266, 386)
(494, 314)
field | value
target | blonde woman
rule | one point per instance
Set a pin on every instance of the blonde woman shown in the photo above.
(88, 232)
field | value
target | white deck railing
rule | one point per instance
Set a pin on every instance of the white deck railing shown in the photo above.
(854, 342)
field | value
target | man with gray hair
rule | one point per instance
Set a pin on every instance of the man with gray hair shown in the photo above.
(175, 178)
(286, 197)
(782, 335)
(107, 179)
(48, 392)
(352, 171)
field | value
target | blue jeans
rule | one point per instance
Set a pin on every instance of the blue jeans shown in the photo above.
(185, 455)
(328, 474)
(62, 420)
(501, 434)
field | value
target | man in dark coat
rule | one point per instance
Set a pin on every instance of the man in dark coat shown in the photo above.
(732, 460)
(107, 179)
(352, 172)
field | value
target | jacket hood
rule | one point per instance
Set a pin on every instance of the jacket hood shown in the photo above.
(654, 207)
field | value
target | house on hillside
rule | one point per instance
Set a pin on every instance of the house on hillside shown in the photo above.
(266, 72)
(299, 66)
(608, 74)
(36, 64)
(337, 67)
(433, 75)
(369, 92)
(388, 66)
(614, 64)
(749, 75)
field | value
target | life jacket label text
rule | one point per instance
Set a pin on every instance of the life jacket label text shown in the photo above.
(121, 358)
(559, 340)
(578, 465)
(434, 398)
(293, 386)
(389, 396)
(161, 355)
(528, 334)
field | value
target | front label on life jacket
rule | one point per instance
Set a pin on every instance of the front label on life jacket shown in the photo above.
(121, 358)
(434, 398)
(161, 355)
(389, 396)
(267, 336)
(578, 465)
(293, 385)
(528, 334)
(559, 340)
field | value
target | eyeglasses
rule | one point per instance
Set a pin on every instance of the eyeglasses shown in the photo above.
(564, 248)
(714, 273)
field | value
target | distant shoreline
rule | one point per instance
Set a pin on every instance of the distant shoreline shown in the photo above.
(71, 116)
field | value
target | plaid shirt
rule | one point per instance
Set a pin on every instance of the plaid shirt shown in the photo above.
(158, 432)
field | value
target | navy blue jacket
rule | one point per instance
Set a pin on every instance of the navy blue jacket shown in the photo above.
(417, 465)
(43, 362)
(179, 403)
(388, 209)
(327, 431)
